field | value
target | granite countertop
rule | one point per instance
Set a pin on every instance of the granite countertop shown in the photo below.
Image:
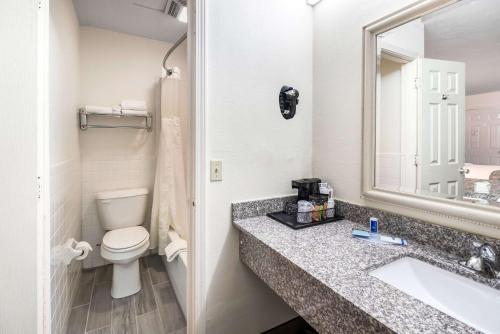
(333, 258)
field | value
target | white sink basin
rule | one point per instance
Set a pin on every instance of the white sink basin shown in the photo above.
(473, 303)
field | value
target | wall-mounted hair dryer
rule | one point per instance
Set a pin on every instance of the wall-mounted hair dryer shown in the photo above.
(289, 98)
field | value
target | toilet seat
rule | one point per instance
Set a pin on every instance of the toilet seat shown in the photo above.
(125, 239)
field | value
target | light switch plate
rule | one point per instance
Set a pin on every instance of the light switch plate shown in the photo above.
(216, 170)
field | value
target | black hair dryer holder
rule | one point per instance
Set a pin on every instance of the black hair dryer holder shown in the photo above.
(289, 98)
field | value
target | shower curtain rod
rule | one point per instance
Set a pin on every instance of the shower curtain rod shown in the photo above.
(172, 49)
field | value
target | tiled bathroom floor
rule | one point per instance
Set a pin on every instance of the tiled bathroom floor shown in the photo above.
(153, 310)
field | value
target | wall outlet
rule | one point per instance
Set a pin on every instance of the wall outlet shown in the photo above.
(215, 170)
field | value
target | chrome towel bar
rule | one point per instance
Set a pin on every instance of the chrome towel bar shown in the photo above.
(84, 125)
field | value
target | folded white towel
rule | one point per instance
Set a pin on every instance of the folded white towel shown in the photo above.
(175, 248)
(134, 105)
(129, 112)
(101, 110)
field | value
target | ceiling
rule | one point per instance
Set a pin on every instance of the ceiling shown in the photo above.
(145, 18)
(468, 31)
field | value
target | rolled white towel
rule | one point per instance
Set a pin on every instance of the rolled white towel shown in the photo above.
(175, 248)
(129, 112)
(134, 105)
(101, 110)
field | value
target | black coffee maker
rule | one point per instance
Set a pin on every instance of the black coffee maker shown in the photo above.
(307, 188)
(308, 191)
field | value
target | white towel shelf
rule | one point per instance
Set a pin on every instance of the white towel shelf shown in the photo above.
(84, 125)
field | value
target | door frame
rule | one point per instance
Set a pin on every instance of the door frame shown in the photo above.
(196, 259)
(409, 111)
(196, 294)
(403, 57)
(43, 170)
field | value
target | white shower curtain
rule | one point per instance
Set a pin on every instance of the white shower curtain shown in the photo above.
(170, 209)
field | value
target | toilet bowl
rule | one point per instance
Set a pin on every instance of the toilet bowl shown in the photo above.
(123, 247)
(121, 213)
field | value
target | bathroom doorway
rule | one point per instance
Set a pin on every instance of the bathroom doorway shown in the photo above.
(95, 60)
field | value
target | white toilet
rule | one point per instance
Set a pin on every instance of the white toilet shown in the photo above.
(121, 212)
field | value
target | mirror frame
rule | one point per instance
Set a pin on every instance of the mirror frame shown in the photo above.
(474, 218)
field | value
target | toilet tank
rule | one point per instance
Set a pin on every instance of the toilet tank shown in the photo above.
(122, 208)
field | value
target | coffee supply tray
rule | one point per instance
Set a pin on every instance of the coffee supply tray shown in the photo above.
(290, 219)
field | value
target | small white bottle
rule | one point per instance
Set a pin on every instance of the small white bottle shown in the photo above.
(330, 208)
(330, 205)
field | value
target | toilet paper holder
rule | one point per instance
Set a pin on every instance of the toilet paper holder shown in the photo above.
(73, 250)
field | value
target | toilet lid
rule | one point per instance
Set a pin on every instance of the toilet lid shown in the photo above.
(125, 237)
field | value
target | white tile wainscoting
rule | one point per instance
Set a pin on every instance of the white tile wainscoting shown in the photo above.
(65, 223)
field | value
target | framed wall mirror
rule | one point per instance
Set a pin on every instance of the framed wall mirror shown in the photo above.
(432, 110)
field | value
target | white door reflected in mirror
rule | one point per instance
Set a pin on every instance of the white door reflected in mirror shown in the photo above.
(438, 105)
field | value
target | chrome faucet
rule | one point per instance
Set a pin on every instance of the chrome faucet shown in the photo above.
(484, 260)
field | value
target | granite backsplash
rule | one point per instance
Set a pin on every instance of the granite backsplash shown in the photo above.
(440, 237)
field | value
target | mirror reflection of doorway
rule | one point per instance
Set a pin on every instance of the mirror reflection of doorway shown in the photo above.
(438, 105)
(424, 133)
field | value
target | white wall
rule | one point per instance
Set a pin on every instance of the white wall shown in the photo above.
(116, 66)
(18, 128)
(337, 121)
(253, 48)
(65, 178)
(486, 100)
(407, 39)
(388, 127)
